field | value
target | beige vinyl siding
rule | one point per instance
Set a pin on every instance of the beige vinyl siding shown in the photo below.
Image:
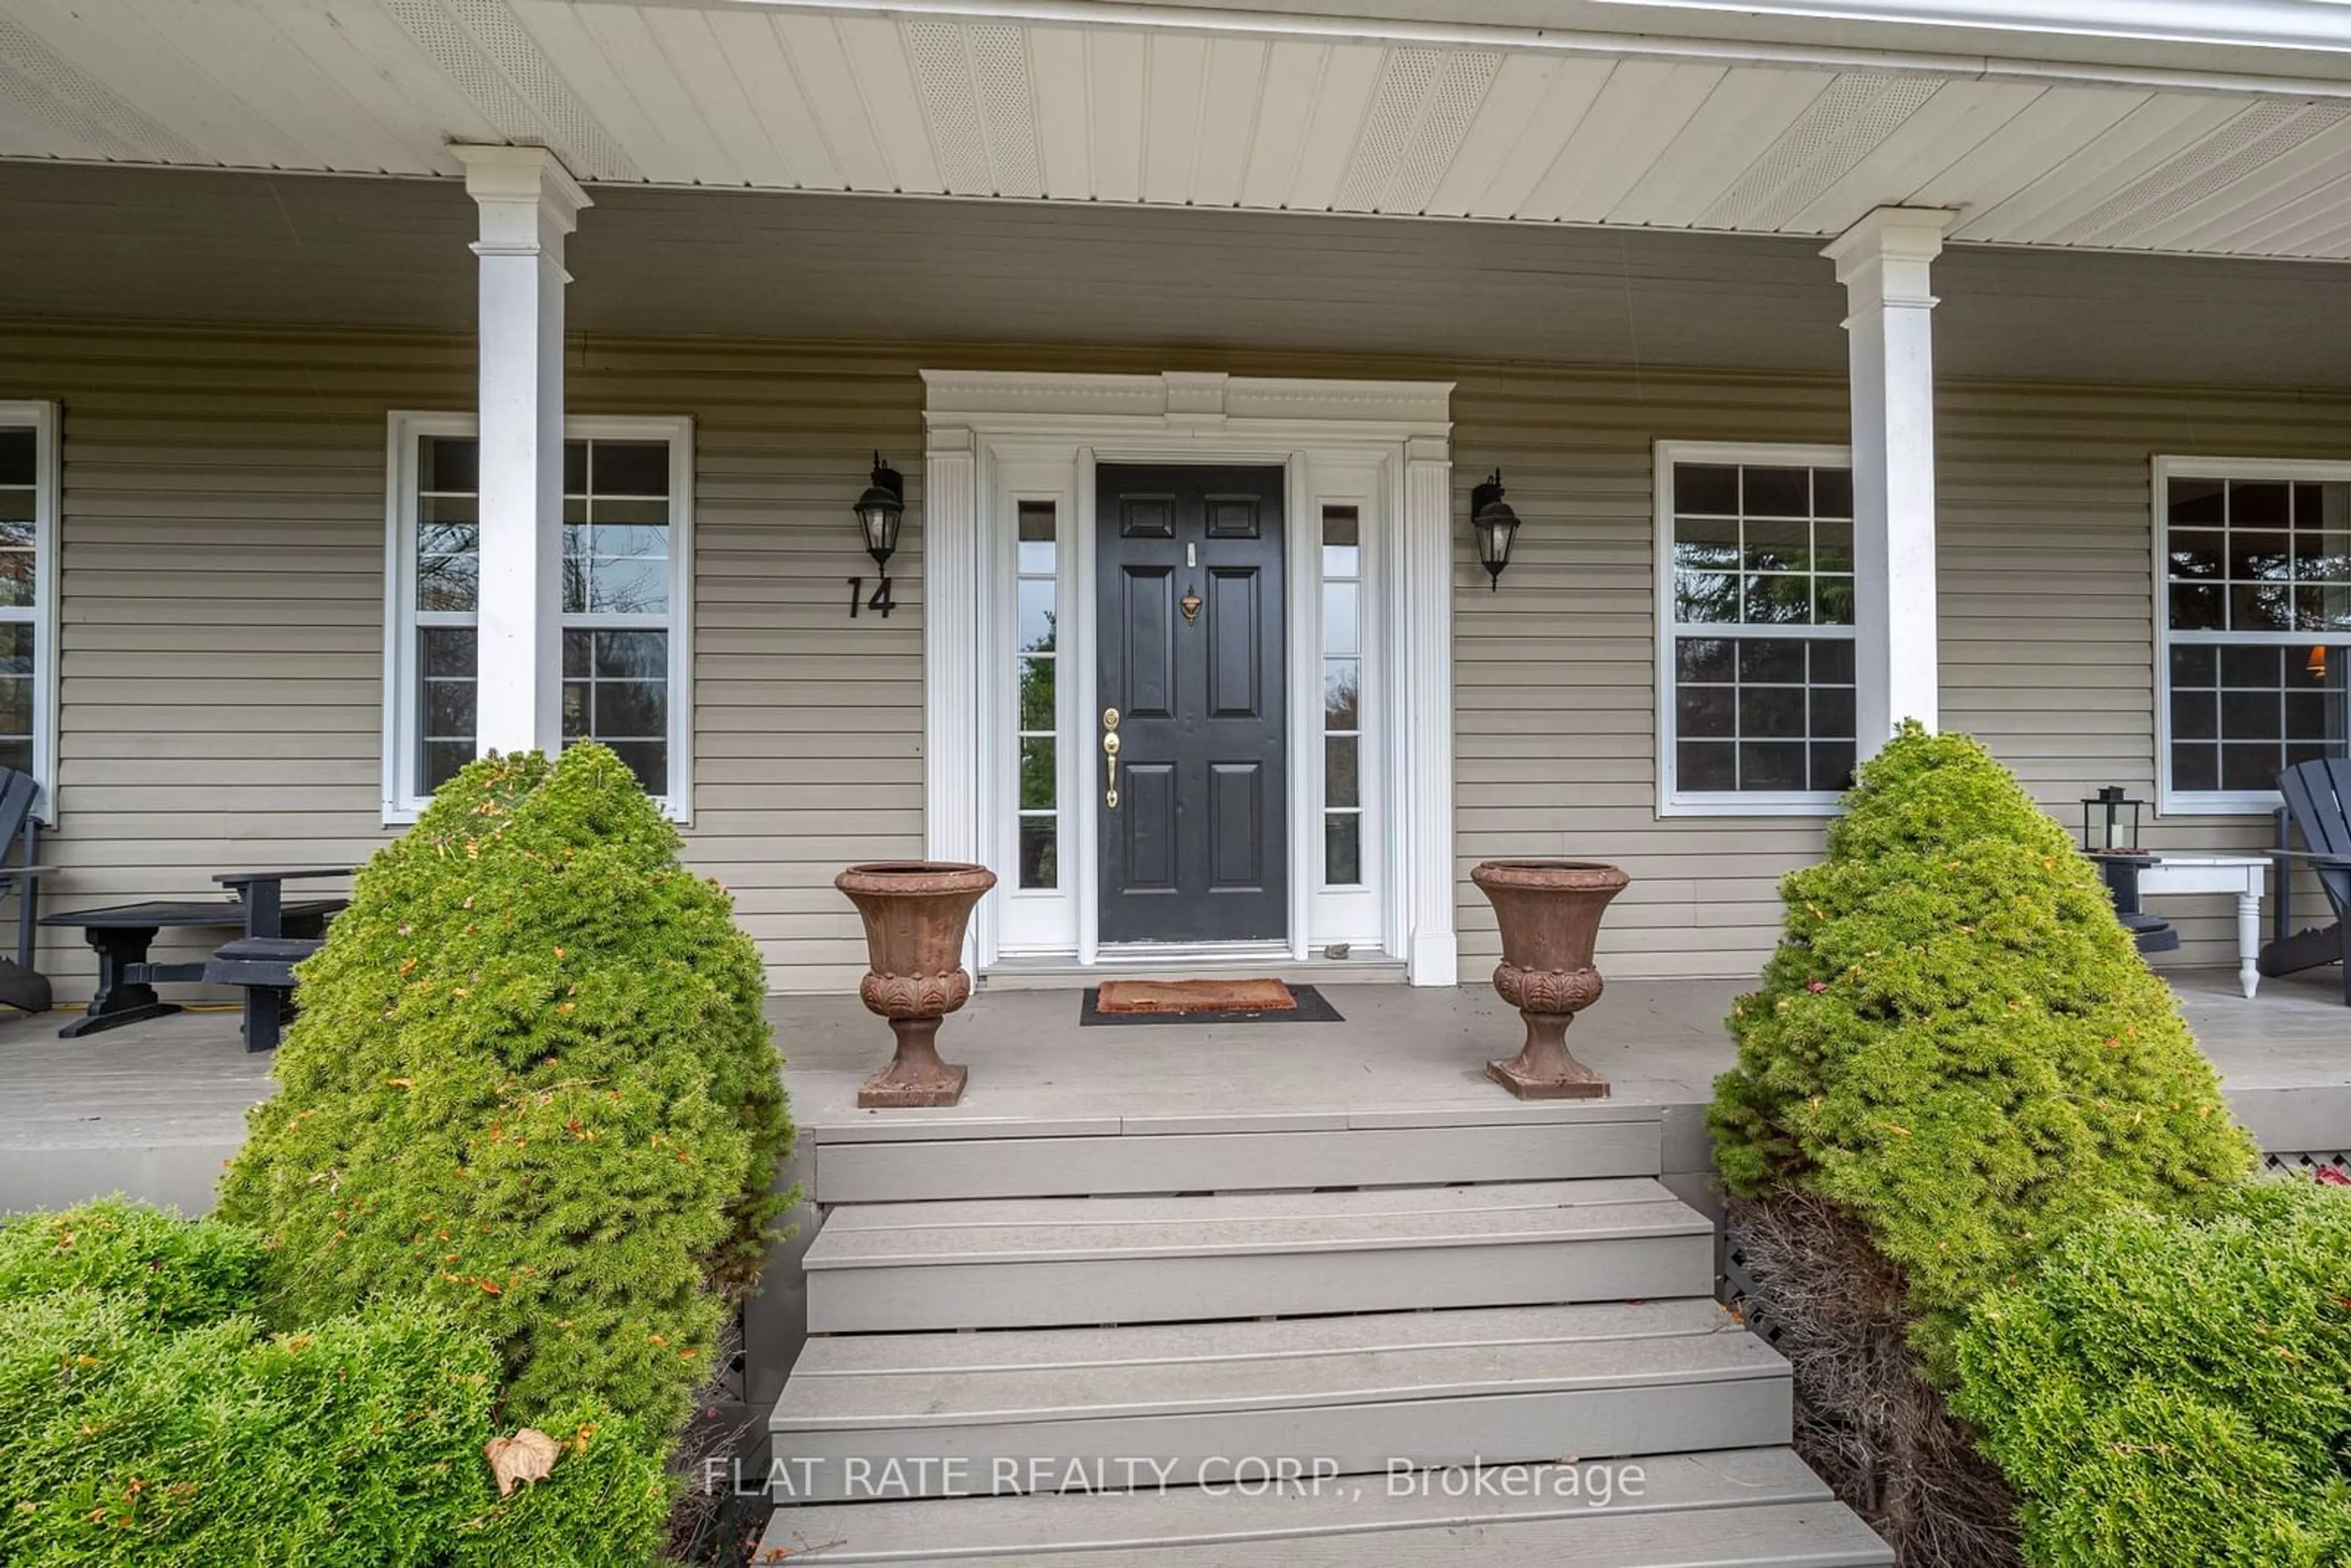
(223, 556)
(222, 654)
(2048, 582)
(2046, 559)
(1555, 717)
(807, 724)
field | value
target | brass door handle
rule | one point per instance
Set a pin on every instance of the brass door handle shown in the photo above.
(1110, 753)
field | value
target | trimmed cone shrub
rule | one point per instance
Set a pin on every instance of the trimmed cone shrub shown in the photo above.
(2165, 1391)
(532, 1083)
(139, 1424)
(1958, 1044)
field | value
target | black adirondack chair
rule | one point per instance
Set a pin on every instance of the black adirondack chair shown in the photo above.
(21, 984)
(277, 938)
(2319, 807)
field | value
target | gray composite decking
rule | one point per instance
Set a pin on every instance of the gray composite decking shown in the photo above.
(1359, 1392)
(1014, 1262)
(1756, 1507)
(1129, 1356)
(897, 1169)
(155, 1108)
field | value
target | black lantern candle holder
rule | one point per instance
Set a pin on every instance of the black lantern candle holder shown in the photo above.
(2110, 833)
(2110, 821)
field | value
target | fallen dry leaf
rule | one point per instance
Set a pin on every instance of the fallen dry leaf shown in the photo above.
(527, 1456)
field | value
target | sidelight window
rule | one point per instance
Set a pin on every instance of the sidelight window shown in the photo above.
(1756, 608)
(1038, 654)
(2256, 625)
(626, 507)
(1343, 686)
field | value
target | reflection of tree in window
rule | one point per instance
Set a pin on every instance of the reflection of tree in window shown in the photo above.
(2253, 566)
(1760, 548)
(1042, 642)
(1036, 813)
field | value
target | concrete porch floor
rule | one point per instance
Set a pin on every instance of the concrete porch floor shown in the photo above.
(154, 1108)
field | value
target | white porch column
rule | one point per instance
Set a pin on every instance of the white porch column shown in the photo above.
(1431, 948)
(529, 204)
(1883, 263)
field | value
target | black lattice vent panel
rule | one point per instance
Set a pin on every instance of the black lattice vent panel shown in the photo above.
(2330, 1166)
(1734, 1286)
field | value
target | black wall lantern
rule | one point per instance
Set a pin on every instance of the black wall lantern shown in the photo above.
(878, 512)
(1497, 528)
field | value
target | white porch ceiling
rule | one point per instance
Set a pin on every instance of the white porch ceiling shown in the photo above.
(1206, 114)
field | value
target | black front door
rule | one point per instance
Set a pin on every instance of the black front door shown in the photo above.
(1195, 841)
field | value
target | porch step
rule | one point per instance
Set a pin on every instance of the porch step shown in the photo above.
(1174, 1154)
(1754, 1508)
(1029, 974)
(1011, 1409)
(1041, 1262)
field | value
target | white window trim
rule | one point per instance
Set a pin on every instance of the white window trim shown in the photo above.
(2170, 801)
(1673, 800)
(42, 613)
(402, 803)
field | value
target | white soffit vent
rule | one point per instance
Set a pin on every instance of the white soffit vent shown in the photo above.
(483, 47)
(2262, 134)
(1388, 125)
(943, 72)
(978, 103)
(1843, 126)
(1453, 103)
(53, 89)
(1000, 61)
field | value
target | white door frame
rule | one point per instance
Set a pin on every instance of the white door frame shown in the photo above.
(1384, 445)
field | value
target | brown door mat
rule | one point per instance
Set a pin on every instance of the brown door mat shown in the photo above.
(1195, 997)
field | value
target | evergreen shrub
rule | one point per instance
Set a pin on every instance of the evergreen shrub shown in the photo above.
(141, 1424)
(2166, 1391)
(180, 1272)
(531, 1083)
(1957, 1043)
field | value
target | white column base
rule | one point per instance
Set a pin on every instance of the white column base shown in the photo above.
(1435, 960)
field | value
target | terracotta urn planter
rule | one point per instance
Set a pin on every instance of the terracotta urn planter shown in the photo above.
(914, 914)
(1549, 915)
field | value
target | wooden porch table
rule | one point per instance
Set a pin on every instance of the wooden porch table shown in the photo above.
(2242, 877)
(123, 934)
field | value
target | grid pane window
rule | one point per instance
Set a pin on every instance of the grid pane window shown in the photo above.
(448, 566)
(1343, 708)
(1038, 588)
(619, 577)
(2258, 556)
(616, 601)
(1762, 610)
(21, 468)
(2258, 627)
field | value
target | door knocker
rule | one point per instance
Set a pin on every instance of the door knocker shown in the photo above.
(1190, 605)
